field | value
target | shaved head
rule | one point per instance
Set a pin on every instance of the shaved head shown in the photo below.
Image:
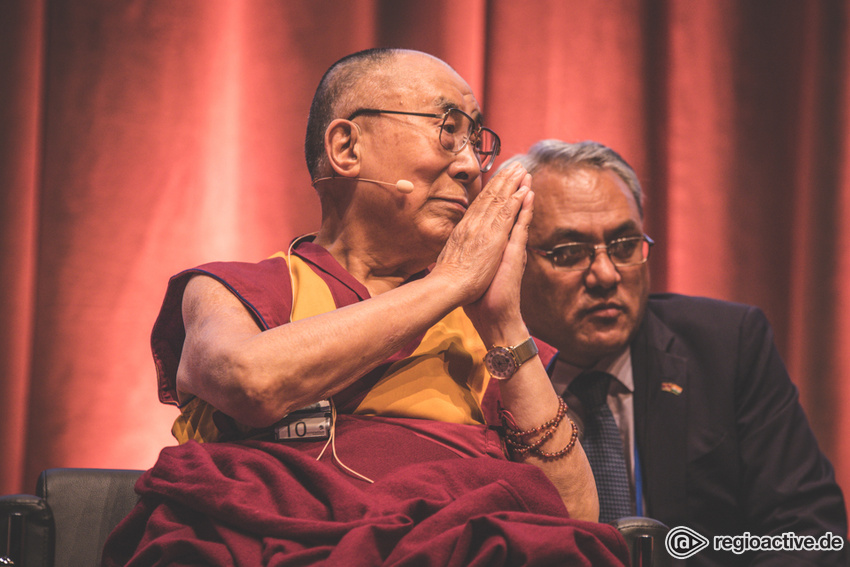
(367, 78)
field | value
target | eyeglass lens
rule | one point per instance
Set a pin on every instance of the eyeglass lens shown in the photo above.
(622, 252)
(458, 129)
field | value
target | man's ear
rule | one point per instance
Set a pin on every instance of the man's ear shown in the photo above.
(342, 144)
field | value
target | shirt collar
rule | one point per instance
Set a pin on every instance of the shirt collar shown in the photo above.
(618, 365)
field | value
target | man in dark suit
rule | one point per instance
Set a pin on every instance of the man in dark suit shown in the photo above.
(712, 437)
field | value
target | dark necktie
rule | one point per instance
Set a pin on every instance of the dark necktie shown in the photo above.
(603, 445)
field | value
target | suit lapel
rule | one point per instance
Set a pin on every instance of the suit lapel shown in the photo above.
(661, 400)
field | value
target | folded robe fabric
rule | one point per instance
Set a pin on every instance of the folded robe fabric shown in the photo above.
(263, 503)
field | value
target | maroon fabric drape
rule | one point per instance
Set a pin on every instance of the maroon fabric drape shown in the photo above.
(140, 137)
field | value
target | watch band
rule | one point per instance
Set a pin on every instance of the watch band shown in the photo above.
(524, 351)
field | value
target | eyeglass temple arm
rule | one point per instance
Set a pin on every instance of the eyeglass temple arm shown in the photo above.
(539, 251)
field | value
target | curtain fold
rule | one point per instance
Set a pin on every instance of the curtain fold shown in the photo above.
(21, 52)
(817, 234)
(141, 137)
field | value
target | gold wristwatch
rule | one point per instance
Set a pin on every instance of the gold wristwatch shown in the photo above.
(503, 362)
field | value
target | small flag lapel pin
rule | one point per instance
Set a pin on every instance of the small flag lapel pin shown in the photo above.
(671, 387)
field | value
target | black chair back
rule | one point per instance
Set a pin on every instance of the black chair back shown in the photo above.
(68, 520)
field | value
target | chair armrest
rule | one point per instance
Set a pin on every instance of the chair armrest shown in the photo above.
(645, 539)
(26, 531)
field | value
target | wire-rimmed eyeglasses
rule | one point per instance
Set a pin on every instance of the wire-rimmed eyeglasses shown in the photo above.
(457, 129)
(575, 256)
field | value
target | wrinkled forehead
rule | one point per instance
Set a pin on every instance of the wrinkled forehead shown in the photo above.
(577, 200)
(419, 82)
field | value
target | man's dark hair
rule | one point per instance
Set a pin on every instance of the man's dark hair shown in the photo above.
(339, 81)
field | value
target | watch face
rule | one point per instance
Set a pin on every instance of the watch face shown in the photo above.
(500, 363)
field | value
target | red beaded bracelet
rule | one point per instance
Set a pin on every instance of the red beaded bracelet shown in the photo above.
(565, 450)
(512, 429)
(513, 435)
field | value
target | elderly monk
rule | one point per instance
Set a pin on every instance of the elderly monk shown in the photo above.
(399, 311)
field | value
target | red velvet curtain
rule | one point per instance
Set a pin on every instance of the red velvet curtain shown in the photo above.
(140, 137)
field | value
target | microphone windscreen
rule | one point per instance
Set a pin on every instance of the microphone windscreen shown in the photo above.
(404, 186)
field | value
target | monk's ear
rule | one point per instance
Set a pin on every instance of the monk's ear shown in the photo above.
(342, 144)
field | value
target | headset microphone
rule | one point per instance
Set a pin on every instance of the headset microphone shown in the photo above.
(402, 185)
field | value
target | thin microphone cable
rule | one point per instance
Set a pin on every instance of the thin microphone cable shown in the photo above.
(332, 435)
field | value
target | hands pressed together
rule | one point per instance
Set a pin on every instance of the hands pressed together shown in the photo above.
(485, 259)
(485, 255)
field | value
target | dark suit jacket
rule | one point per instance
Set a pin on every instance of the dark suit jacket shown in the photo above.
(733, 452)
